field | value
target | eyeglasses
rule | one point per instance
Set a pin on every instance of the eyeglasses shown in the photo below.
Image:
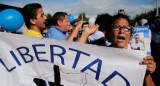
(125, 28)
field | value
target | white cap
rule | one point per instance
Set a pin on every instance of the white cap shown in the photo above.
(92, 20)
(142, 22)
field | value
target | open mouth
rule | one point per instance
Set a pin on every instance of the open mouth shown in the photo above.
(120, 38)
(44, 22)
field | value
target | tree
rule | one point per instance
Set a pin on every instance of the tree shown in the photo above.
(80, 17)
(49, 16)
(147, 15)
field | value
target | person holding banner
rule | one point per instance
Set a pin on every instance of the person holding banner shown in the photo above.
(34, 19)
(61, 26)
(120, 34)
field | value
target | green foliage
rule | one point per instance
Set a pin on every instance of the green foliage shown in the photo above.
(49, 16)
(80, 17)
(147, 15)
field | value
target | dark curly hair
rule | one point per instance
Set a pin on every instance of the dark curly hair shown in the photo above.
(103, 20)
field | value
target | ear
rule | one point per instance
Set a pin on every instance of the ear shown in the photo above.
(33, 21)
(59, 22)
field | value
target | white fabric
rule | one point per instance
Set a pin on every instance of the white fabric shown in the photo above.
(138, 46)
(91, 20)
(24, 59)
(97, 35)
(143, 22)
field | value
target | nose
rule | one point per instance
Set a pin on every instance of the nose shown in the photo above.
(45, 17)
(121, 30)
(69, 23)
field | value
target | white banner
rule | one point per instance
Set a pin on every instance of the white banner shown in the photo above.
(32, 61)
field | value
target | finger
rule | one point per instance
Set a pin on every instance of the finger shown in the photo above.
(150, 70)
(95, 28)
(84, 21)
(148, 62)
(151, 62)
(144, 62)
(148, 58)
(151, 66)
(91, 26)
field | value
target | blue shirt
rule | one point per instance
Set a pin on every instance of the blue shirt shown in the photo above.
(55, 33)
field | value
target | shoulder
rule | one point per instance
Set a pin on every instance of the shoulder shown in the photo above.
(53, 33)
(32, 33)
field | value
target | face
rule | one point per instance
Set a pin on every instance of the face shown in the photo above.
(65, 24)
(136, 39)
(41, 18)
(120, 38)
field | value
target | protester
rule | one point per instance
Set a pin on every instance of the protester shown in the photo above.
(34, 19)
(120, 34)
(154, 23)
(61, 26)
(48, 25)
(99, 37)
(136, 24)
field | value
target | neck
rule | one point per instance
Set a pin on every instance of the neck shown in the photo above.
(59, 28)
(35, 29)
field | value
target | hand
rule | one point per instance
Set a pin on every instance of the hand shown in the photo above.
(151, 65)
(79, 24)
(90, 29)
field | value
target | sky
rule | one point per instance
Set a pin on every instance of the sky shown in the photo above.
(90, 7)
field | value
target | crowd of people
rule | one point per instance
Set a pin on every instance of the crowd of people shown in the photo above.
(112, 31)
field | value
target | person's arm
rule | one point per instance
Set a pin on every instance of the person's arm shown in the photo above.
(1, 29)
(148, 81)
(75, 31)
(124, 12)
(151, 66)
(87, 32)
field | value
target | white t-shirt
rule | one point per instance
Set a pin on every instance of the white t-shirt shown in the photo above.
(136, 46)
